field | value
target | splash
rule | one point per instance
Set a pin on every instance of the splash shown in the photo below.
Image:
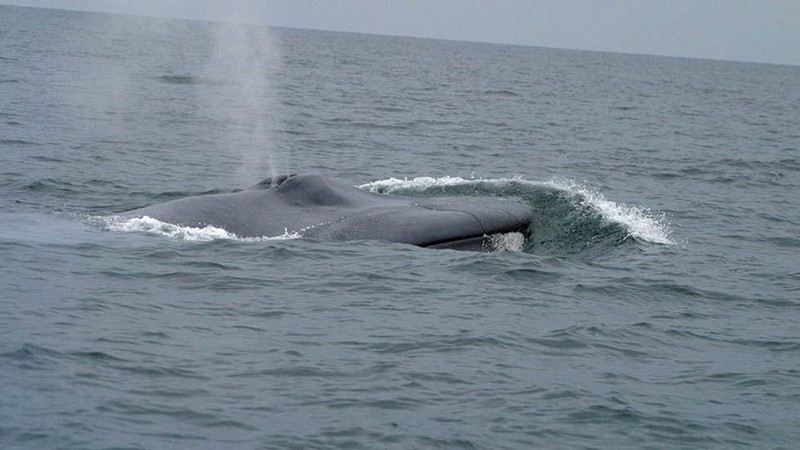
(149, 225)
(392, 185)
(506, 242)
(640, 223)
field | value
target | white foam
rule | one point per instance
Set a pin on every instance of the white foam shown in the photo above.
(506, 242)
(641, 223)
(390, 185)
(150, 225)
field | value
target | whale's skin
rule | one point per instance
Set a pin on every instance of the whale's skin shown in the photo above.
(322, 208)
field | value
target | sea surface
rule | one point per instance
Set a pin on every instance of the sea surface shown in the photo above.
(655, 304)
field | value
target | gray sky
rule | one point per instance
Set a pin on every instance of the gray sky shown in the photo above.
(743, 30)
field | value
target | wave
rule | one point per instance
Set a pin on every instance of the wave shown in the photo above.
(502, 92)
(188, 80)
(640, 222)
(571, 214)
(20, 142)
(186, 233)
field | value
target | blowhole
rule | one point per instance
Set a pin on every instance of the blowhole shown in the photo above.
(273, 182)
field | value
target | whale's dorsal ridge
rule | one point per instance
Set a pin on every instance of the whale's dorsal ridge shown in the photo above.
(316, 190)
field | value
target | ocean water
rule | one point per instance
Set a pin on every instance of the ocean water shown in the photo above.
(656, 303)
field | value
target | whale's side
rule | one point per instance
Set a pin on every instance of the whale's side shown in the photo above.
(319, 207)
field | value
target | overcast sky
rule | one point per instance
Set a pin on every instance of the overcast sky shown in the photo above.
(744, 30)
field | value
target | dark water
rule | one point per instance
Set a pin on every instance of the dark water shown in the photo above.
(655, 305)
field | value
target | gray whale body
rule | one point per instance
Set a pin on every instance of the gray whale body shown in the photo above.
(321, 208)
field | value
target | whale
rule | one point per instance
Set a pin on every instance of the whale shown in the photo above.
(318, 207)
